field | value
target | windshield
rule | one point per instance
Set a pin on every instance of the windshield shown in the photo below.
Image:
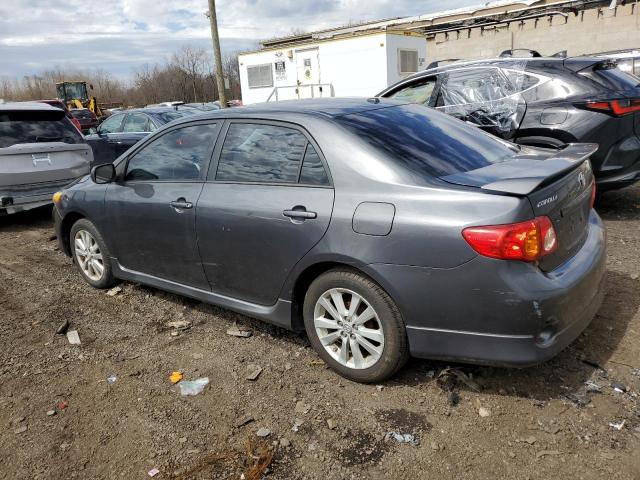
(36, 126)
(166, 117)
(427, 142)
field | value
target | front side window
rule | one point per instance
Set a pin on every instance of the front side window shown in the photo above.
(136, 122)
(112, 124)
(473, 85)
(261, 153)
(419, 93)
(179, 155)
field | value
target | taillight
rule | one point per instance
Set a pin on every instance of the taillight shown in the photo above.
(617, 107)
(527, 241)
(593, 194)
(76, 123)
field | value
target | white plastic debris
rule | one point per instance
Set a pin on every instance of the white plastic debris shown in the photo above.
(73, 337)
(193, 387)
(617, 426)
(112, 379)
(153, 472)
(402, 438)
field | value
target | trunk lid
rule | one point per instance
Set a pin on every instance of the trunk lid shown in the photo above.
(557, 184)
(37, 163)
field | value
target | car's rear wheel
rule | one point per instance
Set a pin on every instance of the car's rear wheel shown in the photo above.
(90, 254)
(355, 326)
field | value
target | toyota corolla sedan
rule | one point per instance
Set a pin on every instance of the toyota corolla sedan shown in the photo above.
(381, 228)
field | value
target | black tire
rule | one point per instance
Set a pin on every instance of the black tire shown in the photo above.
(395, 351)
(107, 280)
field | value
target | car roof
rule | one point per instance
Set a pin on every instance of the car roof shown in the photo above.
(319, 107)
(13, 106)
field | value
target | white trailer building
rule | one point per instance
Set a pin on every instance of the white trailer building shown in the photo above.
(352, 61)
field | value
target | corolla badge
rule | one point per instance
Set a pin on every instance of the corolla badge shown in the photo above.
(547, 201)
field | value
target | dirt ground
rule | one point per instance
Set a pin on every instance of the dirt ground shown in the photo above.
(60, 418)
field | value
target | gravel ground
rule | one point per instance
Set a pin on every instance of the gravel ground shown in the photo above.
(60, 418)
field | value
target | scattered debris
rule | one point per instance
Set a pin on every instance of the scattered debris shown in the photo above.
(236, 331)
(529, 440)
(153, 472)
(331, 423)
(617, 426)
(579, 400)
(63, 405)
(112, 379)
(450, 377)
(62, 329)
(592, 387)
(453, 398)
(243, 420)
(595, 365)
(619, 387)
(302, 407)
(51, 413)
(175, 377)
(539, 403)
(430, 374)
(193, 387)
(379, 388)
(297, 423)
(402, 438)
(114, 291)
(484, 412)
(20, 430)
(285, 442)
(179, 325)
(636, 372)
(316, 362)
(544, 453)
(263, 432)
(254, 372)
(73, 337)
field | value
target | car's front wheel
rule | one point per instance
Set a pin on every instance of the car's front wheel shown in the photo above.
(90, 254)
(355, 326)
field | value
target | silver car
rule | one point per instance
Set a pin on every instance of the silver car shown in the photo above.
(40, 152)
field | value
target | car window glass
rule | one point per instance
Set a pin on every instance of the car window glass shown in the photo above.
(519, 81)
(416, 93)
(175, 156)
(473, 86)
(24, 126)
(135, 122)
(111, 124)
(261, 153)
(313, 172)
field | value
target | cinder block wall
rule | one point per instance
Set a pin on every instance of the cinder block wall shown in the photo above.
(590, 31)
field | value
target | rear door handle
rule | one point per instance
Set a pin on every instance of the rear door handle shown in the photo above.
(181, 204)
(303, 214)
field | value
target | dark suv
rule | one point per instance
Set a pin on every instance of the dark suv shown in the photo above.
(545, 102)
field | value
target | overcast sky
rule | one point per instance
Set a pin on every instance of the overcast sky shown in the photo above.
(119, 35)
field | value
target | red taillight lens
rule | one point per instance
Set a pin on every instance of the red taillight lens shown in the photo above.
(593, 194)
(527, 241)
(617, 107)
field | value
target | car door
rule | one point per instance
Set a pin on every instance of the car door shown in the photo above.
(267, 201)
(102, 142)
(136, 126)
(150, 209)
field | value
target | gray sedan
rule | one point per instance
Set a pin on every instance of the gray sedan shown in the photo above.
(382, 229)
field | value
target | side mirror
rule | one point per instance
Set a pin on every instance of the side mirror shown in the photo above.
(105, 173)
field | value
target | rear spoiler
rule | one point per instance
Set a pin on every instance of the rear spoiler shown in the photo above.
(525, 172)
(578, 64)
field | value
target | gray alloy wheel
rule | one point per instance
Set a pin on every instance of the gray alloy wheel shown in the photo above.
(349, 328)
(90, 259)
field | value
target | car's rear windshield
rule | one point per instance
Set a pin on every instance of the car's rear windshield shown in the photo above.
(427, 142)
(36, 126)
(616, 79)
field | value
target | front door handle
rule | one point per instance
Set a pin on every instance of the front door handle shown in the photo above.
(300, 213)
(181, 204)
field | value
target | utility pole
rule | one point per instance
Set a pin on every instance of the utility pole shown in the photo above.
(216, 52)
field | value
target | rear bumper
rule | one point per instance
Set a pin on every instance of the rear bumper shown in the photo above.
(25, 197)
(621, 165)
(500, 313)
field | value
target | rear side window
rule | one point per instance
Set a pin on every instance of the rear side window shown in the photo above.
(179, 155)
(313, 172)
(136, 122)
(261, 153)
(425, 142)
(36, 126)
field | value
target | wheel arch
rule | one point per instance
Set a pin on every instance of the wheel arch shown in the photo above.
(65, 230)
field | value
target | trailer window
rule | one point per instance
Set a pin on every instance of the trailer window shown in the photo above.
(407, 61)
(260, 76)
